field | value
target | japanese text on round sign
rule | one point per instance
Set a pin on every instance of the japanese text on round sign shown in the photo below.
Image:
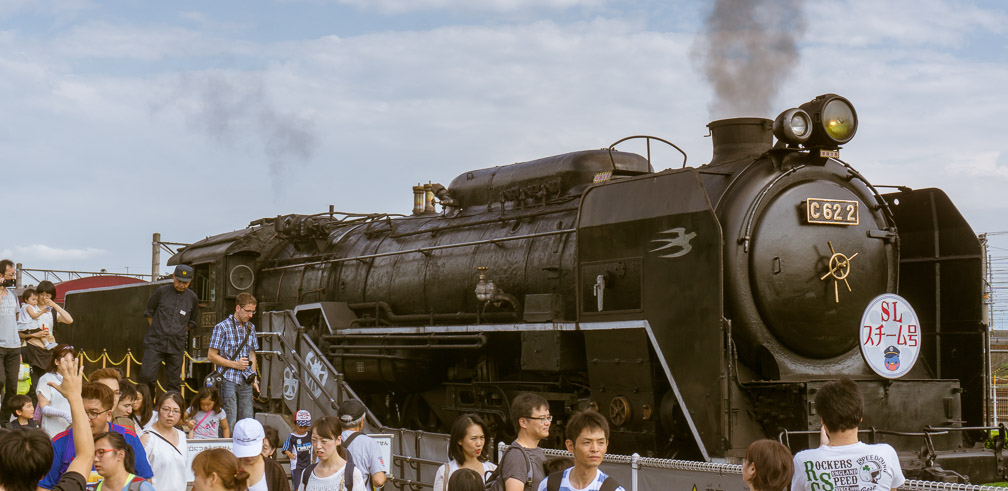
(890, 335)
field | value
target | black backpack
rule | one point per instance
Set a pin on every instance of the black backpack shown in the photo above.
(494, 480)
(347, 472)
(553, 482)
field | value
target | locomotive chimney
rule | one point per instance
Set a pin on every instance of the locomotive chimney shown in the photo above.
(740, 138)
(418, 199)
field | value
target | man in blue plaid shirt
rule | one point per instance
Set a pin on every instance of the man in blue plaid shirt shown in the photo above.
(236, 361)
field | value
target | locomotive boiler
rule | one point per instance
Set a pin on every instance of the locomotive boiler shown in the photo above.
(697, 308)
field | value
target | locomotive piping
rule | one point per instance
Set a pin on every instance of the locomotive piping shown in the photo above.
(421, 250)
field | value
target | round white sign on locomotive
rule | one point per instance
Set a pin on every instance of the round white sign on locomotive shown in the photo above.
(890, 335)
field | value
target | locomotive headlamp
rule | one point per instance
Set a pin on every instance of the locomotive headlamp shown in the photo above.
(833, 120)
(793, 126)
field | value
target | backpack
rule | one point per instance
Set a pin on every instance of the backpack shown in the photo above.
(134, 484)
(494, 480)
(554, 479)
(347, 471)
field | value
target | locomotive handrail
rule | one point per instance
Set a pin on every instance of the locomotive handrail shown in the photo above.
(647, 139)
(927, 431)
(302, 364)
(883, 204)
(478, 341)
(934, 429)
(421, 250)
(751, 214)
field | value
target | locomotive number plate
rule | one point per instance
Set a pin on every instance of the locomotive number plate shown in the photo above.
(831, 211)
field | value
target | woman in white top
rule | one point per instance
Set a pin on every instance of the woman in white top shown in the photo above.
(166, 446)
(466, 450)
(328, 473)
(35, 353)
(53, 407)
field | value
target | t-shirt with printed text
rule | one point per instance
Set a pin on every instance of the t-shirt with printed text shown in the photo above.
(854, 467)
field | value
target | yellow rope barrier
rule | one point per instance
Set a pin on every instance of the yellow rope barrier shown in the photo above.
(194, 360)
(138, 362)
(129, 359)
(84, 354)
(120, 362)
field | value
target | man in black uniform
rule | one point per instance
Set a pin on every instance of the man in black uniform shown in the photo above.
(171, 311)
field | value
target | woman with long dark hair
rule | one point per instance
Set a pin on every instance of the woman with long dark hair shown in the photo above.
(143, 407)
(113, 461)
(329, 473)
(165, 445)
(467, 449)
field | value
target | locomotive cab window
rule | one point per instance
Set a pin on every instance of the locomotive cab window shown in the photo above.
(203, 283)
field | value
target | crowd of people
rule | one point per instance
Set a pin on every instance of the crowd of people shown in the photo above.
(103, 432)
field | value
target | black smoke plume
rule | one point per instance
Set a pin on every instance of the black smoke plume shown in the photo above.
(236, 109)
(746, 50)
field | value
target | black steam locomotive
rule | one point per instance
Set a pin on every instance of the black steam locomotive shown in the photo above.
(697, 308)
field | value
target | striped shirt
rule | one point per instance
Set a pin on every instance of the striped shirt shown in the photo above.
(225, 338)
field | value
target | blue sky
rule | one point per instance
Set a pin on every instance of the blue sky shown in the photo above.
(125, 118)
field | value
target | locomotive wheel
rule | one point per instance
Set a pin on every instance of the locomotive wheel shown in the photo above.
(619, 410)
(419, 414)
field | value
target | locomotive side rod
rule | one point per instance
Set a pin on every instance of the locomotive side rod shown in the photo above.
(421, 250)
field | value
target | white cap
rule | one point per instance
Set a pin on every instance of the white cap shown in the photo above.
(248, 438)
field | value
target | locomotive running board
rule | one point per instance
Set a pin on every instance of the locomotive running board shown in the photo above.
(552, 326)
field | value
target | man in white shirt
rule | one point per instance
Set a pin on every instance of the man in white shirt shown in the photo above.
(587, 439)
(10, 342)
(843, 463)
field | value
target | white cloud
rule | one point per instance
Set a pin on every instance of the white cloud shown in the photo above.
(981, 165)
(37, 255)
(900, 23)
(56, 8)
(101, 39)
(404, 6)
